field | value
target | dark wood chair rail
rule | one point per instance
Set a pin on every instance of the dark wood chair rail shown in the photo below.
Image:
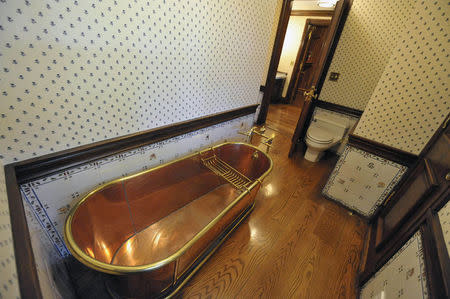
(382, 150)
(45, 165)
(338, 108)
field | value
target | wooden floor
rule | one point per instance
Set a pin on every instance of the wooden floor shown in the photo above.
(283, 118)
(295, 244)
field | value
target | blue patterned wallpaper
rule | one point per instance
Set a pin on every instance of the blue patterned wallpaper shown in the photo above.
(364, 48)
(77, 72)
(412, 97)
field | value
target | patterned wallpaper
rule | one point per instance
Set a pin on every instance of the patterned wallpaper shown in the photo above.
(362, 181)
(77, 72)
(273, 34)
(364, 48)
(444, 219)
(403, 276)
(9, 288)
(412, 97)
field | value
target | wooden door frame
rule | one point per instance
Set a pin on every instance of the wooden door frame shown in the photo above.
(278, 45)
(274, 60)
(336, 27)
(301, 48)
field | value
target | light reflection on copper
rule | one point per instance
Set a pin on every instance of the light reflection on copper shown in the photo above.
(129, 246)
(163, 238)
(106, 251)
(90, 252)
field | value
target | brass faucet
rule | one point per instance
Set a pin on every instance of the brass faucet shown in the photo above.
(268, 143)
(260, 132)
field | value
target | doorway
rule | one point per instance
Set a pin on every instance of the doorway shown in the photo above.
(307, 61)
(319, 42)
(303, 43)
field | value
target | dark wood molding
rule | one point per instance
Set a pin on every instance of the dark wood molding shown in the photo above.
(339, 108)
(312, 13)
(262, 88)
(23, 171)
(274, 60)
(337, 25)
(51, 163)
(413, 205)
(301, 55)
(406, 206)
(346, 6)
(26, 267)
(377, 259)
(382, 150)
(436, 257)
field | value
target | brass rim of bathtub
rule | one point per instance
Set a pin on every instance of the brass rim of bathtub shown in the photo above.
(117, 269)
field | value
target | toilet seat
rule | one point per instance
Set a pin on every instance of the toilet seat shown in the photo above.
(319, 135)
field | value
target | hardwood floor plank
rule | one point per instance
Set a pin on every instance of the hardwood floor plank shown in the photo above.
(283, 118)
(350, 251)
(295, 243)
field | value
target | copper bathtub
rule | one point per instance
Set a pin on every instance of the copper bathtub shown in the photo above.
(150, 232)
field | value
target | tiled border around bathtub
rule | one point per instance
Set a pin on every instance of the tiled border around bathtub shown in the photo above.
(370, 161)
(50, 198)
(398, 270)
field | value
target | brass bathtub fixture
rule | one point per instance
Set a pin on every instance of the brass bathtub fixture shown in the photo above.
(230, 174)
(148, 233)
(260, 132)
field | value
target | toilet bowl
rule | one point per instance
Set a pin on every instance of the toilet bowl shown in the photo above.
(324, 132)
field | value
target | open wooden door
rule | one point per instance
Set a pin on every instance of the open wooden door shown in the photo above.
(312, 45)
(318, 76)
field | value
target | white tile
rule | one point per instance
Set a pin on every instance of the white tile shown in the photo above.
(403, 274)
(361, 190)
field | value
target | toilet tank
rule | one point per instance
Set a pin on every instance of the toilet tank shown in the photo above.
(333, 123)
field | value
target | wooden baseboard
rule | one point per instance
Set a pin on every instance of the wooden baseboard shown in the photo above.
(338, 108)
(382, 150)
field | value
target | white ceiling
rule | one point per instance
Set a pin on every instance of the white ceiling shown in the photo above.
(307, 5)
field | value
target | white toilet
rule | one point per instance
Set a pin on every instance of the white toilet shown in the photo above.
(325, 131)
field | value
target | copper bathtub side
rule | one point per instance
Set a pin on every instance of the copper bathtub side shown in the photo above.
(187, 179)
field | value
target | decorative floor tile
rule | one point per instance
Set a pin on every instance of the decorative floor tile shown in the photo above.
(403, 276)
(362, 181)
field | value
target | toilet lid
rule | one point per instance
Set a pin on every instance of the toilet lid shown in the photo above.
(319, 134)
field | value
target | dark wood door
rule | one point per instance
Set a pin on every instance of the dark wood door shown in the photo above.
(307, 61)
